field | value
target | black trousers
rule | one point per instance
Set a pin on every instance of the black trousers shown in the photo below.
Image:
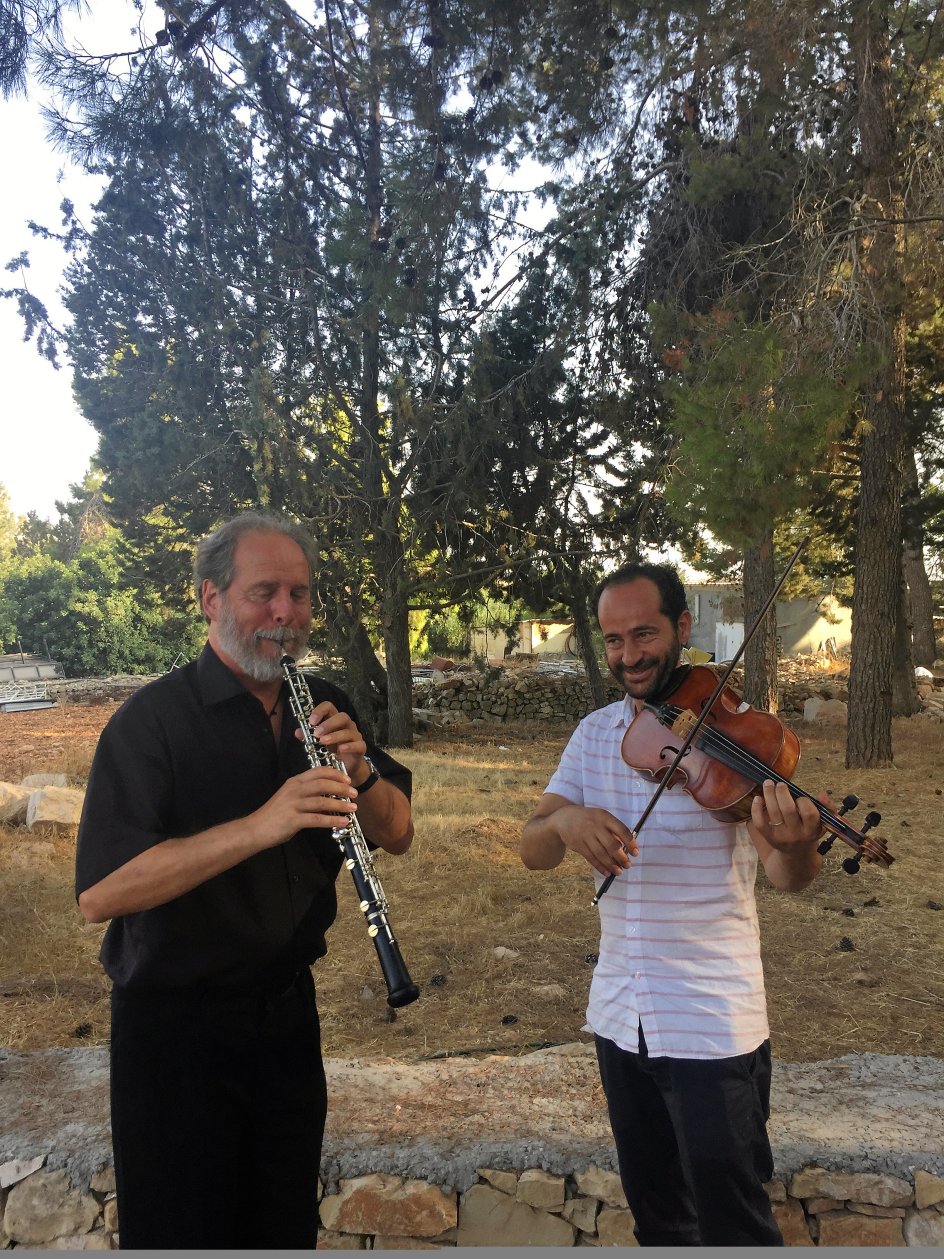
(691, 1139)
(218, 1105)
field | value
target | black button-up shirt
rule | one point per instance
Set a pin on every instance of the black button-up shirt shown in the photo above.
(187, 752)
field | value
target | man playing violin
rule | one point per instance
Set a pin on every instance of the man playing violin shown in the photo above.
(677, 1004)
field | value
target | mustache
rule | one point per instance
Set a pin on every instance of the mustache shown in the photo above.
(282, 635)
(642, 667)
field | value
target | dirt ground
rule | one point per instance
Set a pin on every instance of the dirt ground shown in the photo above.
(502, 955)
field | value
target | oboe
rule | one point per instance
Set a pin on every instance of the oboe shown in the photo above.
(357, 857)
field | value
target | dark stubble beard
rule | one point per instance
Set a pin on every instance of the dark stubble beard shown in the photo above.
(243, 648)
(667, 667)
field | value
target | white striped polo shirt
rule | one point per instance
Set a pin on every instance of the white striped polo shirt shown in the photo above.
(680, 944)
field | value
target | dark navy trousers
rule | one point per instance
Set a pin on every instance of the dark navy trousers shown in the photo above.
(691, 1139)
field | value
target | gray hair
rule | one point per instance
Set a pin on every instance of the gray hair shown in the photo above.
(215, 557)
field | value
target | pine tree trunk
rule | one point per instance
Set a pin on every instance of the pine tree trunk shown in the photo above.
(587, 648)
(878, 540)
(904, 691)
(365, 679)
(396, 636)
(760, 655)
(382, 502)
(921, 603)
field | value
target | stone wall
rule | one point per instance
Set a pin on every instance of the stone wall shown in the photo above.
(380, 1211)
(499, 1152)
(519, 694)
(528, 693)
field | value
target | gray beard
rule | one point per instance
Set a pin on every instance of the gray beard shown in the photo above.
(243, 649)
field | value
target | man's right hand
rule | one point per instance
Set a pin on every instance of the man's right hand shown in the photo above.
(594, 834)
(320, 797)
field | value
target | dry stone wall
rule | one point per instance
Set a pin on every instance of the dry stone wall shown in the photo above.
(531, 693)
(41, 1208)
(499, 695)
(499, 1152)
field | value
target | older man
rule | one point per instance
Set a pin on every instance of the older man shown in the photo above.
(206, 841)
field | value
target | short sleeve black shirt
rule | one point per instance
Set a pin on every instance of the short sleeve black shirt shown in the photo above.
(185, 753)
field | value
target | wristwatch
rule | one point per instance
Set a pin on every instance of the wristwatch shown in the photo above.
(372, 778)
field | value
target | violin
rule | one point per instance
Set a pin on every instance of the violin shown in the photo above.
(736, 749)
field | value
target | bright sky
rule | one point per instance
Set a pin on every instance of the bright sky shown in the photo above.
(45, 444)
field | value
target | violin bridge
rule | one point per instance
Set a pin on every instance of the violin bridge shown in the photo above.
(683, 723)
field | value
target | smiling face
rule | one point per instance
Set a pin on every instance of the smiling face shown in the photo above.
(642, 643)
(265, 611)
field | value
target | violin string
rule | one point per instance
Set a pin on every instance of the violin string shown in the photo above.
(737, 758)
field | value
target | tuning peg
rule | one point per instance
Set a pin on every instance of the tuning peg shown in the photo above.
(849, 802)
(851, 864)
(826, 844)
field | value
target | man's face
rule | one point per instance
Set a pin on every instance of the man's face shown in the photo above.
(265, 611)
(642, 644)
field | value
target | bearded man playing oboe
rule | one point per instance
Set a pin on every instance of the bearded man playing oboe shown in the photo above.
(206, 841)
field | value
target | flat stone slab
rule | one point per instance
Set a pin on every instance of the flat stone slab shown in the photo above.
(441, 1120)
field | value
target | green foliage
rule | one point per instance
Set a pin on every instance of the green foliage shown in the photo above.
(9, 525)
(440, 633)
(756, 418)
(88, 615)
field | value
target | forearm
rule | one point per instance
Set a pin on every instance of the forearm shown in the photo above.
(541, 845)
(385, 817)
(788, 869)
(168, 870)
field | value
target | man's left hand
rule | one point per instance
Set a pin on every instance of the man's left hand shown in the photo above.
(337, 731)
(783, 821)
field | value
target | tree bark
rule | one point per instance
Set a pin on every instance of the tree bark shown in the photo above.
(760, 655)
(585, 645)
(382, 501)
(365, 678)
(904, 691)
(921, 603)
(878, 541)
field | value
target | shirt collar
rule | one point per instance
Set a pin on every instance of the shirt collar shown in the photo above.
(215, 682)
(621, 713)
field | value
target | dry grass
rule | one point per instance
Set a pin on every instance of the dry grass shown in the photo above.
(461, 893)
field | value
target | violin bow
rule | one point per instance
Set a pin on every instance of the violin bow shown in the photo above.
(666, 779)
